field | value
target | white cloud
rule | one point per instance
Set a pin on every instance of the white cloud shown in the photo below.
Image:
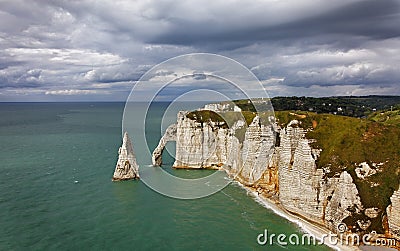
(75, 92)
(64, 56)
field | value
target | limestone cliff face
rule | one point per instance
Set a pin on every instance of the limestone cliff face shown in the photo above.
(299, 179)
(393, 214)
(286, 172)
(126, 167)
(304, 189)
(256, 152)
(199, 145)
(209, 145)
(343, 202)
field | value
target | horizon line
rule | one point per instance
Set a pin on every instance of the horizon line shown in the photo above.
(160, 101)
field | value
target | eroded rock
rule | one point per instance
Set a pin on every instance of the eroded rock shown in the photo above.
(364, 170)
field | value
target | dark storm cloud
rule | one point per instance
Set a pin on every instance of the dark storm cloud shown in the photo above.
(93, 47)
(371, 19)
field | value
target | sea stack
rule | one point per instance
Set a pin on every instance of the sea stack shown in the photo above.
(126, 168)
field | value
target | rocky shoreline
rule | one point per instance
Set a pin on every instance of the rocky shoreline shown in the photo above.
(313, 229)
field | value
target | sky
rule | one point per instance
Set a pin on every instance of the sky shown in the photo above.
(88, 50)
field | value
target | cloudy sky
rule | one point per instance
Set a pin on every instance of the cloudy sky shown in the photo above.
(96, 50)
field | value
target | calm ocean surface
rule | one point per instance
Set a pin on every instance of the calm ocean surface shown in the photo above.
(56, 164)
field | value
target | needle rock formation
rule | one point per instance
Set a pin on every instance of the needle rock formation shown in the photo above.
(126, 168)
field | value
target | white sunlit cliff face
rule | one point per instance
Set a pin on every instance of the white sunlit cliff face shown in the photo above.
(200, 145)
(304, 189)
(211, 145)
(285, 172)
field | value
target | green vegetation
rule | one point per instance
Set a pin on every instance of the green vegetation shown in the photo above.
(391, 117)
(306, 118)
(227, 118)
(352, 106)
(245, 105)
(203, 116)
(346, 142)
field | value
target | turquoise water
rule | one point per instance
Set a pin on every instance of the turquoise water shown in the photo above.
(56, 163)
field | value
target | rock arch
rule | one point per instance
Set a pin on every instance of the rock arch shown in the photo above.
(169, 135)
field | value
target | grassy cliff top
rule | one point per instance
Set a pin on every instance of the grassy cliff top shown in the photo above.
(390, 117)
(228, 118)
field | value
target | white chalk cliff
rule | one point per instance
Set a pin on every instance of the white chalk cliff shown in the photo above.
(304, 189)
(279, 163)
(126, 168)
(200, 145)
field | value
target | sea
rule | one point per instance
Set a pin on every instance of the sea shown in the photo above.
(56, 193)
